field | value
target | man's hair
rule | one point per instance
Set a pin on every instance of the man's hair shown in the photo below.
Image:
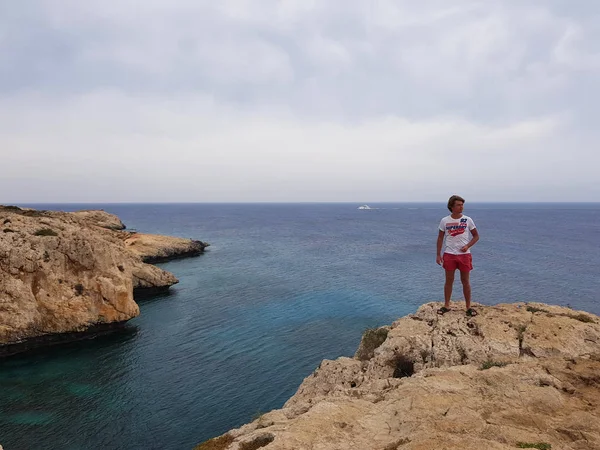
(453, 199)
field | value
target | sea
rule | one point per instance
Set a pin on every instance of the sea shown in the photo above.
(281, 287)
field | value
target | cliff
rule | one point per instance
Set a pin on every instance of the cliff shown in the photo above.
(153, 248)
(515, 376)
(63, 275)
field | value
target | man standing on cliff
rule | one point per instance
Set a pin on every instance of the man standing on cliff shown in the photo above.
(460, 235)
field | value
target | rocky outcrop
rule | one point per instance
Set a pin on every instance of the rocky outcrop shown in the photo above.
(148, 279)
(65, 275)
(153, 248)
(516, 374)
(100, 218)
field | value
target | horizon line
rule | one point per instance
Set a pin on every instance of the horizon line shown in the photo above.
(283, 202)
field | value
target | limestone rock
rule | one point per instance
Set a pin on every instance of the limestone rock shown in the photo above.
(63, 273)
(516, 373)
(153, 248)
(149, 279)
(101, 218)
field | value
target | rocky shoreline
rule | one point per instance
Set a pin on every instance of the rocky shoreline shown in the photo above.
(153, 248)
(519, 375)
(47, 340)
(66, 276)
(515, 376)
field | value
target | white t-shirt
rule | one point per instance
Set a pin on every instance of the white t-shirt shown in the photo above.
(457, 233)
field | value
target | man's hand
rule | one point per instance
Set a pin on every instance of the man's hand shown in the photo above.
(439, 260)
(464, 249)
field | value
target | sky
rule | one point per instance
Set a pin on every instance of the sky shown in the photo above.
(299, 100)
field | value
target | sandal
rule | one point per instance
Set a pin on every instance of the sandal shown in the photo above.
(471, 312)
(443, 310)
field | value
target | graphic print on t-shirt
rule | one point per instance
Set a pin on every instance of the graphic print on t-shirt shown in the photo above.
(456, 228)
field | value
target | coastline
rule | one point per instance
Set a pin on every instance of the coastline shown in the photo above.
(208, 296)
(71, 276)
(516, 374)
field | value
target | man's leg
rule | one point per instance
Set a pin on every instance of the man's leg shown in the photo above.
(466, 283)
(448, 287)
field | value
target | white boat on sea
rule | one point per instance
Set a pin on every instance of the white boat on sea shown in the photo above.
(364, 207)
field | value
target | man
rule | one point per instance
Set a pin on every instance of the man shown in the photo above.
(460, 235)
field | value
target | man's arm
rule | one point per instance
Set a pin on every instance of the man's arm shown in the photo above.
(473, 241)
(440, 241)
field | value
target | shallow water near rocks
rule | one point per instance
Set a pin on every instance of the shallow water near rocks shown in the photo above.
(282, 287)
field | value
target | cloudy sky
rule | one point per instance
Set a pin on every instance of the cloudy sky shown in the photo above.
(299, 100)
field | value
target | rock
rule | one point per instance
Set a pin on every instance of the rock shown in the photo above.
(101, 218)
(370, 341)
(516, 373)
(65, 275)
(148, 279)
(153, 248)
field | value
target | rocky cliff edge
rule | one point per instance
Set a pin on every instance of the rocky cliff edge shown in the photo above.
(62, 274)
(515, 376)
(153, 248)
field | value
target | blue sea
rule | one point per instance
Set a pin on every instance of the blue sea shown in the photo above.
(281, 287)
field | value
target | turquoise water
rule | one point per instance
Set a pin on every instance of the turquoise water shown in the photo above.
(280, 288)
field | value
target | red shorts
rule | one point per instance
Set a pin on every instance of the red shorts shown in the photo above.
(464, 263)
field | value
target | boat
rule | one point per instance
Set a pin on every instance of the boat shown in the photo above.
(364, 207)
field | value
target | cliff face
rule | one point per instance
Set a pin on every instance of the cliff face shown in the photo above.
(515, 374)
(66, 273)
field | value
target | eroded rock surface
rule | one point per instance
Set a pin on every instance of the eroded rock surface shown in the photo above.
(516, 373)
(64, 273)
(154, 248)
(100, 218)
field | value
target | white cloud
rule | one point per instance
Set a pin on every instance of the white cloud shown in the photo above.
(192, 149)
(297, 100)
